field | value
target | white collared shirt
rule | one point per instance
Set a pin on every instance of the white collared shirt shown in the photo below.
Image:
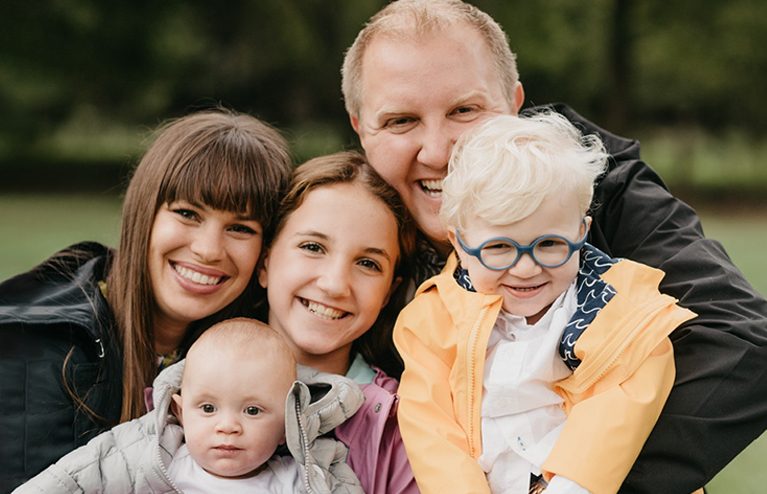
(522, 416)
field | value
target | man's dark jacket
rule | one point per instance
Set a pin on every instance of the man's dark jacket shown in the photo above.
(719, 401)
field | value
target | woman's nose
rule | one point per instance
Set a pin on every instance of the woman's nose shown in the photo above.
(208, 245)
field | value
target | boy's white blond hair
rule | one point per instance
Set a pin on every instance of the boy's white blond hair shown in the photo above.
(502, 170)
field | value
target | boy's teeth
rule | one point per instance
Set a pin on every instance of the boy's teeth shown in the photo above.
(324, 310)
(195, 277)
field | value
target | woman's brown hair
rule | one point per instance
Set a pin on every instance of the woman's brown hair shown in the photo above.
(222, 159)
(376, 344)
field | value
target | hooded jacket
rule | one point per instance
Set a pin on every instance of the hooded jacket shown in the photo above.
(48, 315)
(134, 456)
(623, 371)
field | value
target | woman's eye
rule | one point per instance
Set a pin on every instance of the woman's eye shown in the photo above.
(370, 264)
(207, 408)
(311, 247)
(242, 229)
(186, 213)
(252, 411)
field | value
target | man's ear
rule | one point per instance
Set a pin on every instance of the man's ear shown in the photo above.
(355, 121)
(519, 98)
(176, 408)
(262, 270)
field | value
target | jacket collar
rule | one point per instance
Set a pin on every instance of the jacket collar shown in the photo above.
(63, 289)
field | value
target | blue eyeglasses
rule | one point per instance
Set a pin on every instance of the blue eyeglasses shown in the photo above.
(501, 253)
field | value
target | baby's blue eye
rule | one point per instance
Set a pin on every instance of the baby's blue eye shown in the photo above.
(252, 410)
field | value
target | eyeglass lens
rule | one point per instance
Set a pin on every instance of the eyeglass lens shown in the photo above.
(547, 251)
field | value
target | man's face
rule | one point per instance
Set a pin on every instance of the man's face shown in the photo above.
(417, 97)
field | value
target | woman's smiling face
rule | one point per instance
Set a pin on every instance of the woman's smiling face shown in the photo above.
(200, 260)
(329, 272)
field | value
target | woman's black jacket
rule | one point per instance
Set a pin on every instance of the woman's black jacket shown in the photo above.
(52, 314)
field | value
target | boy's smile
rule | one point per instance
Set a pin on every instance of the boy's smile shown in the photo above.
(528, 289)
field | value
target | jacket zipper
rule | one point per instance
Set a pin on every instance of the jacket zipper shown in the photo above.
(165, 470)
(473, 341)
(304, 447)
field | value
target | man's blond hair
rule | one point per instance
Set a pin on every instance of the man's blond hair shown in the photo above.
(412, 19)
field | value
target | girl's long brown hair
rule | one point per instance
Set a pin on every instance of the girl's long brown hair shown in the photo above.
(221, 159)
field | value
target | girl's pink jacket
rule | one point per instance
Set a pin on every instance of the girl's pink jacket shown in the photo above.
(376, 452)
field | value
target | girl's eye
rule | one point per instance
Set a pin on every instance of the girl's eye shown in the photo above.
(311, 247)
(370, 264)
(207, 408)
(252, 411)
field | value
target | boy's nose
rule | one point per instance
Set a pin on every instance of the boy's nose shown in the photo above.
(525, 267)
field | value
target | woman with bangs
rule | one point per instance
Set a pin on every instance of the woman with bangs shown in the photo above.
(85, 332)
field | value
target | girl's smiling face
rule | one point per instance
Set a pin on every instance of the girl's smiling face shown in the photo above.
(329, 273)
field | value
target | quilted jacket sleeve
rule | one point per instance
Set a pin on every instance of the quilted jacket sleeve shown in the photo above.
(317, 404)
(101, 465)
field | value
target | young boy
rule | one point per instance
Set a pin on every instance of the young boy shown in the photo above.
(232, 407)
(533, 359)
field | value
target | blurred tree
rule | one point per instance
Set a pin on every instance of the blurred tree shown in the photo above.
(92, 67)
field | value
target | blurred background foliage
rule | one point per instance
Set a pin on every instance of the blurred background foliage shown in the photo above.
(83, 81)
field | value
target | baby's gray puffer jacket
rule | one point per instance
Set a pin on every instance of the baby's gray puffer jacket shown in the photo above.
(133, 456)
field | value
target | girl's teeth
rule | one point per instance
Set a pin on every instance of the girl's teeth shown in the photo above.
(195, 277)
(324, 310)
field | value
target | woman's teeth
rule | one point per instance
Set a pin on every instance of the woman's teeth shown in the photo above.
(196, 277)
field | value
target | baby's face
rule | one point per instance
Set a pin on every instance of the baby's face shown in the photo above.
(233, 412)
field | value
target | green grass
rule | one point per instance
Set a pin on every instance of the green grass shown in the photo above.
(33, 227)
(691, 157)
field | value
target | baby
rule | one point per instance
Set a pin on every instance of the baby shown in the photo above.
(220, 416)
